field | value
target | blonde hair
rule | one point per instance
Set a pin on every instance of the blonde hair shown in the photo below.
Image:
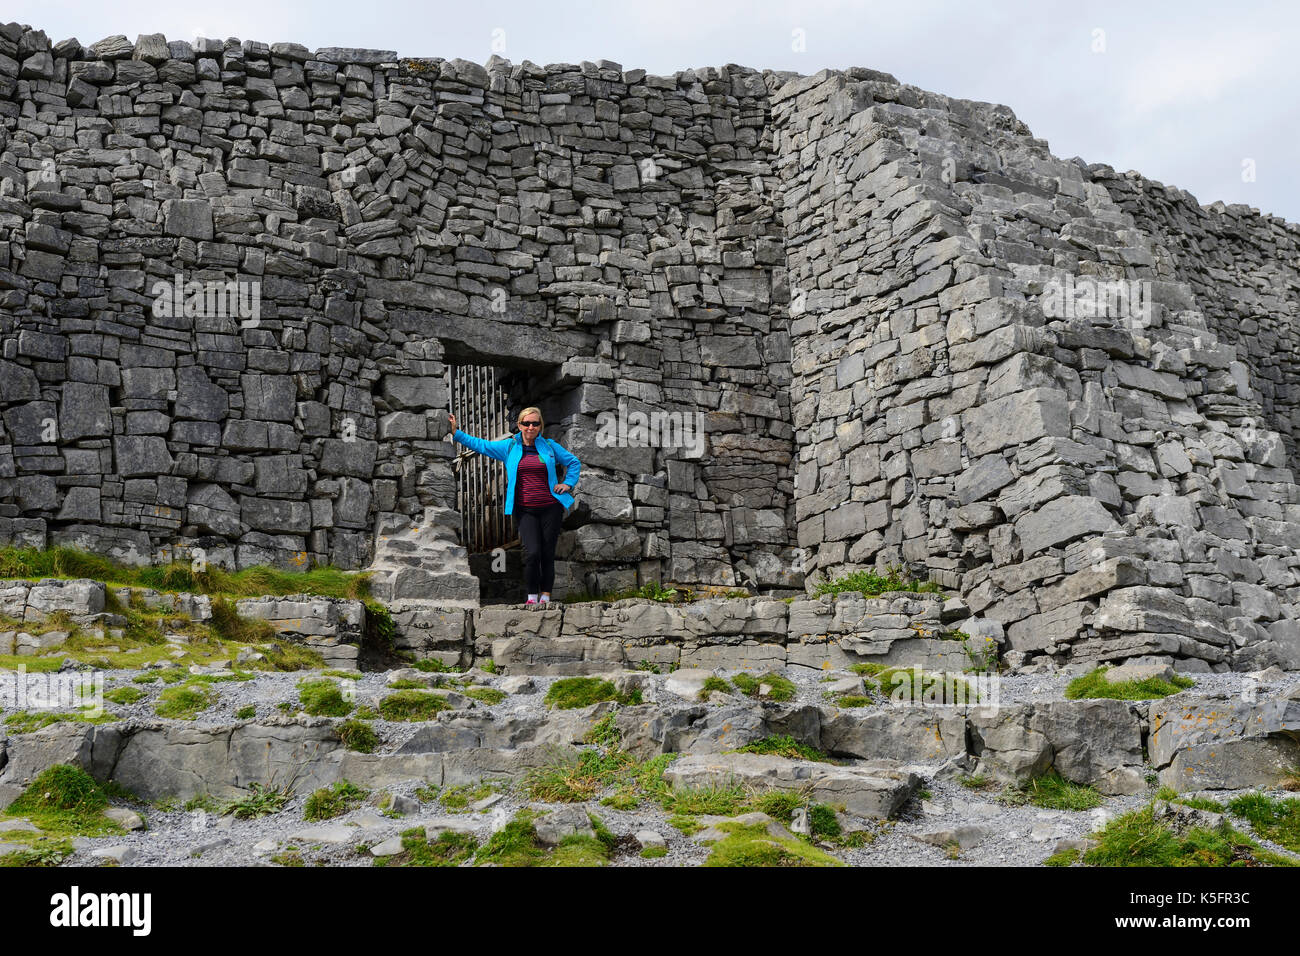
(524, 414)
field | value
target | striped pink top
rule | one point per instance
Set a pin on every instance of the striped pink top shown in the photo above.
(533, 490)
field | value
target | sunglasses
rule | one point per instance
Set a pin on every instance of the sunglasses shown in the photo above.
(530, 424)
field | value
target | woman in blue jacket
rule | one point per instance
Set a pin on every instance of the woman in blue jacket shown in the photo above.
(534, 495)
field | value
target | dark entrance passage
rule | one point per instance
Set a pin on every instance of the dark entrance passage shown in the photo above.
(480, 404)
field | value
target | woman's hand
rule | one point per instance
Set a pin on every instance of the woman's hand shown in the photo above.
(452, 419)
(561, 488)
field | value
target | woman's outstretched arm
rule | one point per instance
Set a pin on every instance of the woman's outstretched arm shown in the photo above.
(493, 449)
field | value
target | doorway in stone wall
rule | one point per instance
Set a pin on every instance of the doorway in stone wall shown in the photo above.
(479, 400)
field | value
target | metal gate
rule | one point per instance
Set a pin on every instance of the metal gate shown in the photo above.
(479, 403)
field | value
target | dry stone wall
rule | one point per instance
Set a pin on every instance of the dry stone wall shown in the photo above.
(608, 236)
(909, 334)
(1093, 473)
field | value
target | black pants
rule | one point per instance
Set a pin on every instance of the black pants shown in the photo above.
(539, 529)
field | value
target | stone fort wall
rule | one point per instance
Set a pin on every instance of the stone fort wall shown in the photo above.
(853, 283)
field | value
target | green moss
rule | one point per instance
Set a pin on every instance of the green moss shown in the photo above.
(1053, 792)
(779, 804)
(333, 801)
(624, 798)
(784, 746)
(288, 858)
(1274, 819)
(405, 684)
(852, 700)
(448, 849)
(23, 722)
(752, 846)
(289, 657)
(246, 713)
(974, 781)
(488, 667)
(184, 703)
(65, 800)
(654, 852)
(358, 736)
(577, 849)
(1094, 684)
(125, 695)
(779, 688)
(412, 705)
(515, 844)
(486, 695)
(180, 576)
(824, 822)
(431, 665)
(323, 698)
(687, 824)
(458, 799)
(569, 693)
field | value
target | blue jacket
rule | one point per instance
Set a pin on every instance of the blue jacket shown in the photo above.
(511, 451)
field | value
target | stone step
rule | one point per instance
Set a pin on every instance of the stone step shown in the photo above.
(874, 791)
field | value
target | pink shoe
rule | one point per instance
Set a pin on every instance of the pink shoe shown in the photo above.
(531, 601)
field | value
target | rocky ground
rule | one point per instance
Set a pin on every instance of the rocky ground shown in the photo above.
(936, 820)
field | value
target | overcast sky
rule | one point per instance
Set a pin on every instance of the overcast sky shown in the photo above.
(1195, 94)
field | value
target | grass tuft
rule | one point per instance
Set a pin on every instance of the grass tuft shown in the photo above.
(569, 693)
(778, 687)
(357, 735)
(323, 698)
(1094, 684)
(449, 849)
(1274, 819)
(752, 846)
(871, 583)
(261, 801)
(406, 705)
(65, 800)
(184, 702)
(333, 801)
(784, 746)
(1137, 839)
(1051, 791)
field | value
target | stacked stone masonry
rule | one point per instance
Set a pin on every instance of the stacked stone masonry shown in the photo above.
(847, 279)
